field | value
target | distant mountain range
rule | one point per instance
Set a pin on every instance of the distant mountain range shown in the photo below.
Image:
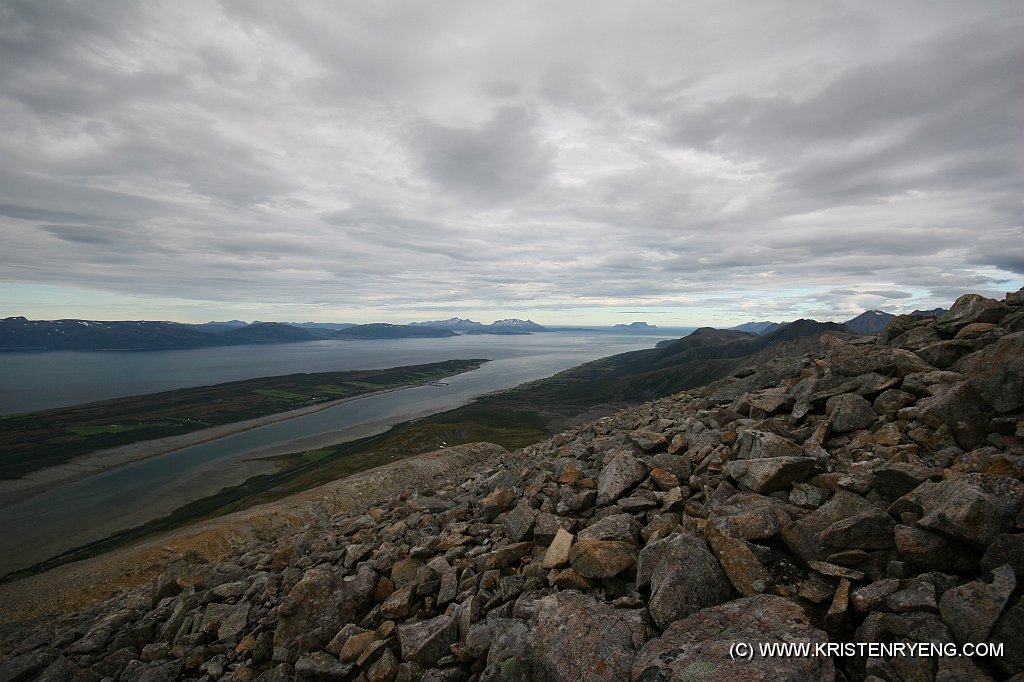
(458, 324)
(19, 333)
(868, 322)
(635, 326)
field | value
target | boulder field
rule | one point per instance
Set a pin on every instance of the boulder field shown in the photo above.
(867, 495)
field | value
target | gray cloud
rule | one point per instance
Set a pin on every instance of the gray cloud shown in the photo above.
(392, 160)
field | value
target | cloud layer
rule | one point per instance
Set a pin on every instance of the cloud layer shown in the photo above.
(701, 161)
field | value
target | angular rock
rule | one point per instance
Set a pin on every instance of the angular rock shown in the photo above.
(997, 373)
(958, 509)
(849, 412)
(698, 646)
(519, 522)
(317, 607)
(804, 536)
(960, 409)
(547, 526)
(322, 667)
(746, 573)
(870, 597)
(968, 309)
(426, 641)
(581, 638)
(1005, 549)
(619, 476)
(685, 577)
(602, 558)
(622, 527)
(932, 552)
(771, 474)
(971, 610)
(758, 444)
(557, 554)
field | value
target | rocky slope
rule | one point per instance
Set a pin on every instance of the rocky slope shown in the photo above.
(871, 495)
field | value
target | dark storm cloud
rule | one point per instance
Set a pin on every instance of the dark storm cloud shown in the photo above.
(782, 157)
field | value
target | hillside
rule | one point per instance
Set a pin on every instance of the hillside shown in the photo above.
(20, 334)
(865, 493)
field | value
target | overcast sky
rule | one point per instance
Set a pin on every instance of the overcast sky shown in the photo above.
(682, 163)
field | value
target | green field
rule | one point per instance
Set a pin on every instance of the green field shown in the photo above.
(36, 440)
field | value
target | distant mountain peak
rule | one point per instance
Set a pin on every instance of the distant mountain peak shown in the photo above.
(635, 325)
(870, 322)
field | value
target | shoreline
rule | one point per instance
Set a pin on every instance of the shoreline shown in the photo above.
(13, 491)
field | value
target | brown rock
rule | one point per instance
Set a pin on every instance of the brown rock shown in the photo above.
(700, 644)
(581, 638)
(557, 554)
(602, 558)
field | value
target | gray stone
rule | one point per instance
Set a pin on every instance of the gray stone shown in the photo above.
(755, 444)
(958, 509)
(959, 408)
(997, 373)
(424, 642)
(1009, 631)
(698, 646)
(685, 577)
(1005, 549)
(322, 667)
(519, 522)
(804, 536)
(971, 610)
(581, 638)
(849, 412)
(619, 476)
(968, 309)
(622, 527)
(771, 474)
(317, 607)
(933, 552)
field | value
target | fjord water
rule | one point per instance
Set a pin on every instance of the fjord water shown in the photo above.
(92, 508)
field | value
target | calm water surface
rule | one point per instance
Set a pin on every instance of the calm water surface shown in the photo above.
(90, 509)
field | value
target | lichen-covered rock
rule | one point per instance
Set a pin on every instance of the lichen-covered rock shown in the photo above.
(685, 577)
(755, 444)
(968, 309)
(426, 641)
(768, 475)
(602, 558)
(580, 638)
(699, 646)
(849, 412)
(997, 373)
(619, 476)
(971, 610)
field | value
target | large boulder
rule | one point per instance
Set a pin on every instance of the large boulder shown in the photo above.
(755, 444)
(962, 509)
(700, 646)
(319, 604)
(971, 610)
(426, 641)
(968, 309)
(619, 476)
(685, 577)
(806, 536)
(849, 412)
(772, 473)
(997, 373)
(581, 638)
(960, 408)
